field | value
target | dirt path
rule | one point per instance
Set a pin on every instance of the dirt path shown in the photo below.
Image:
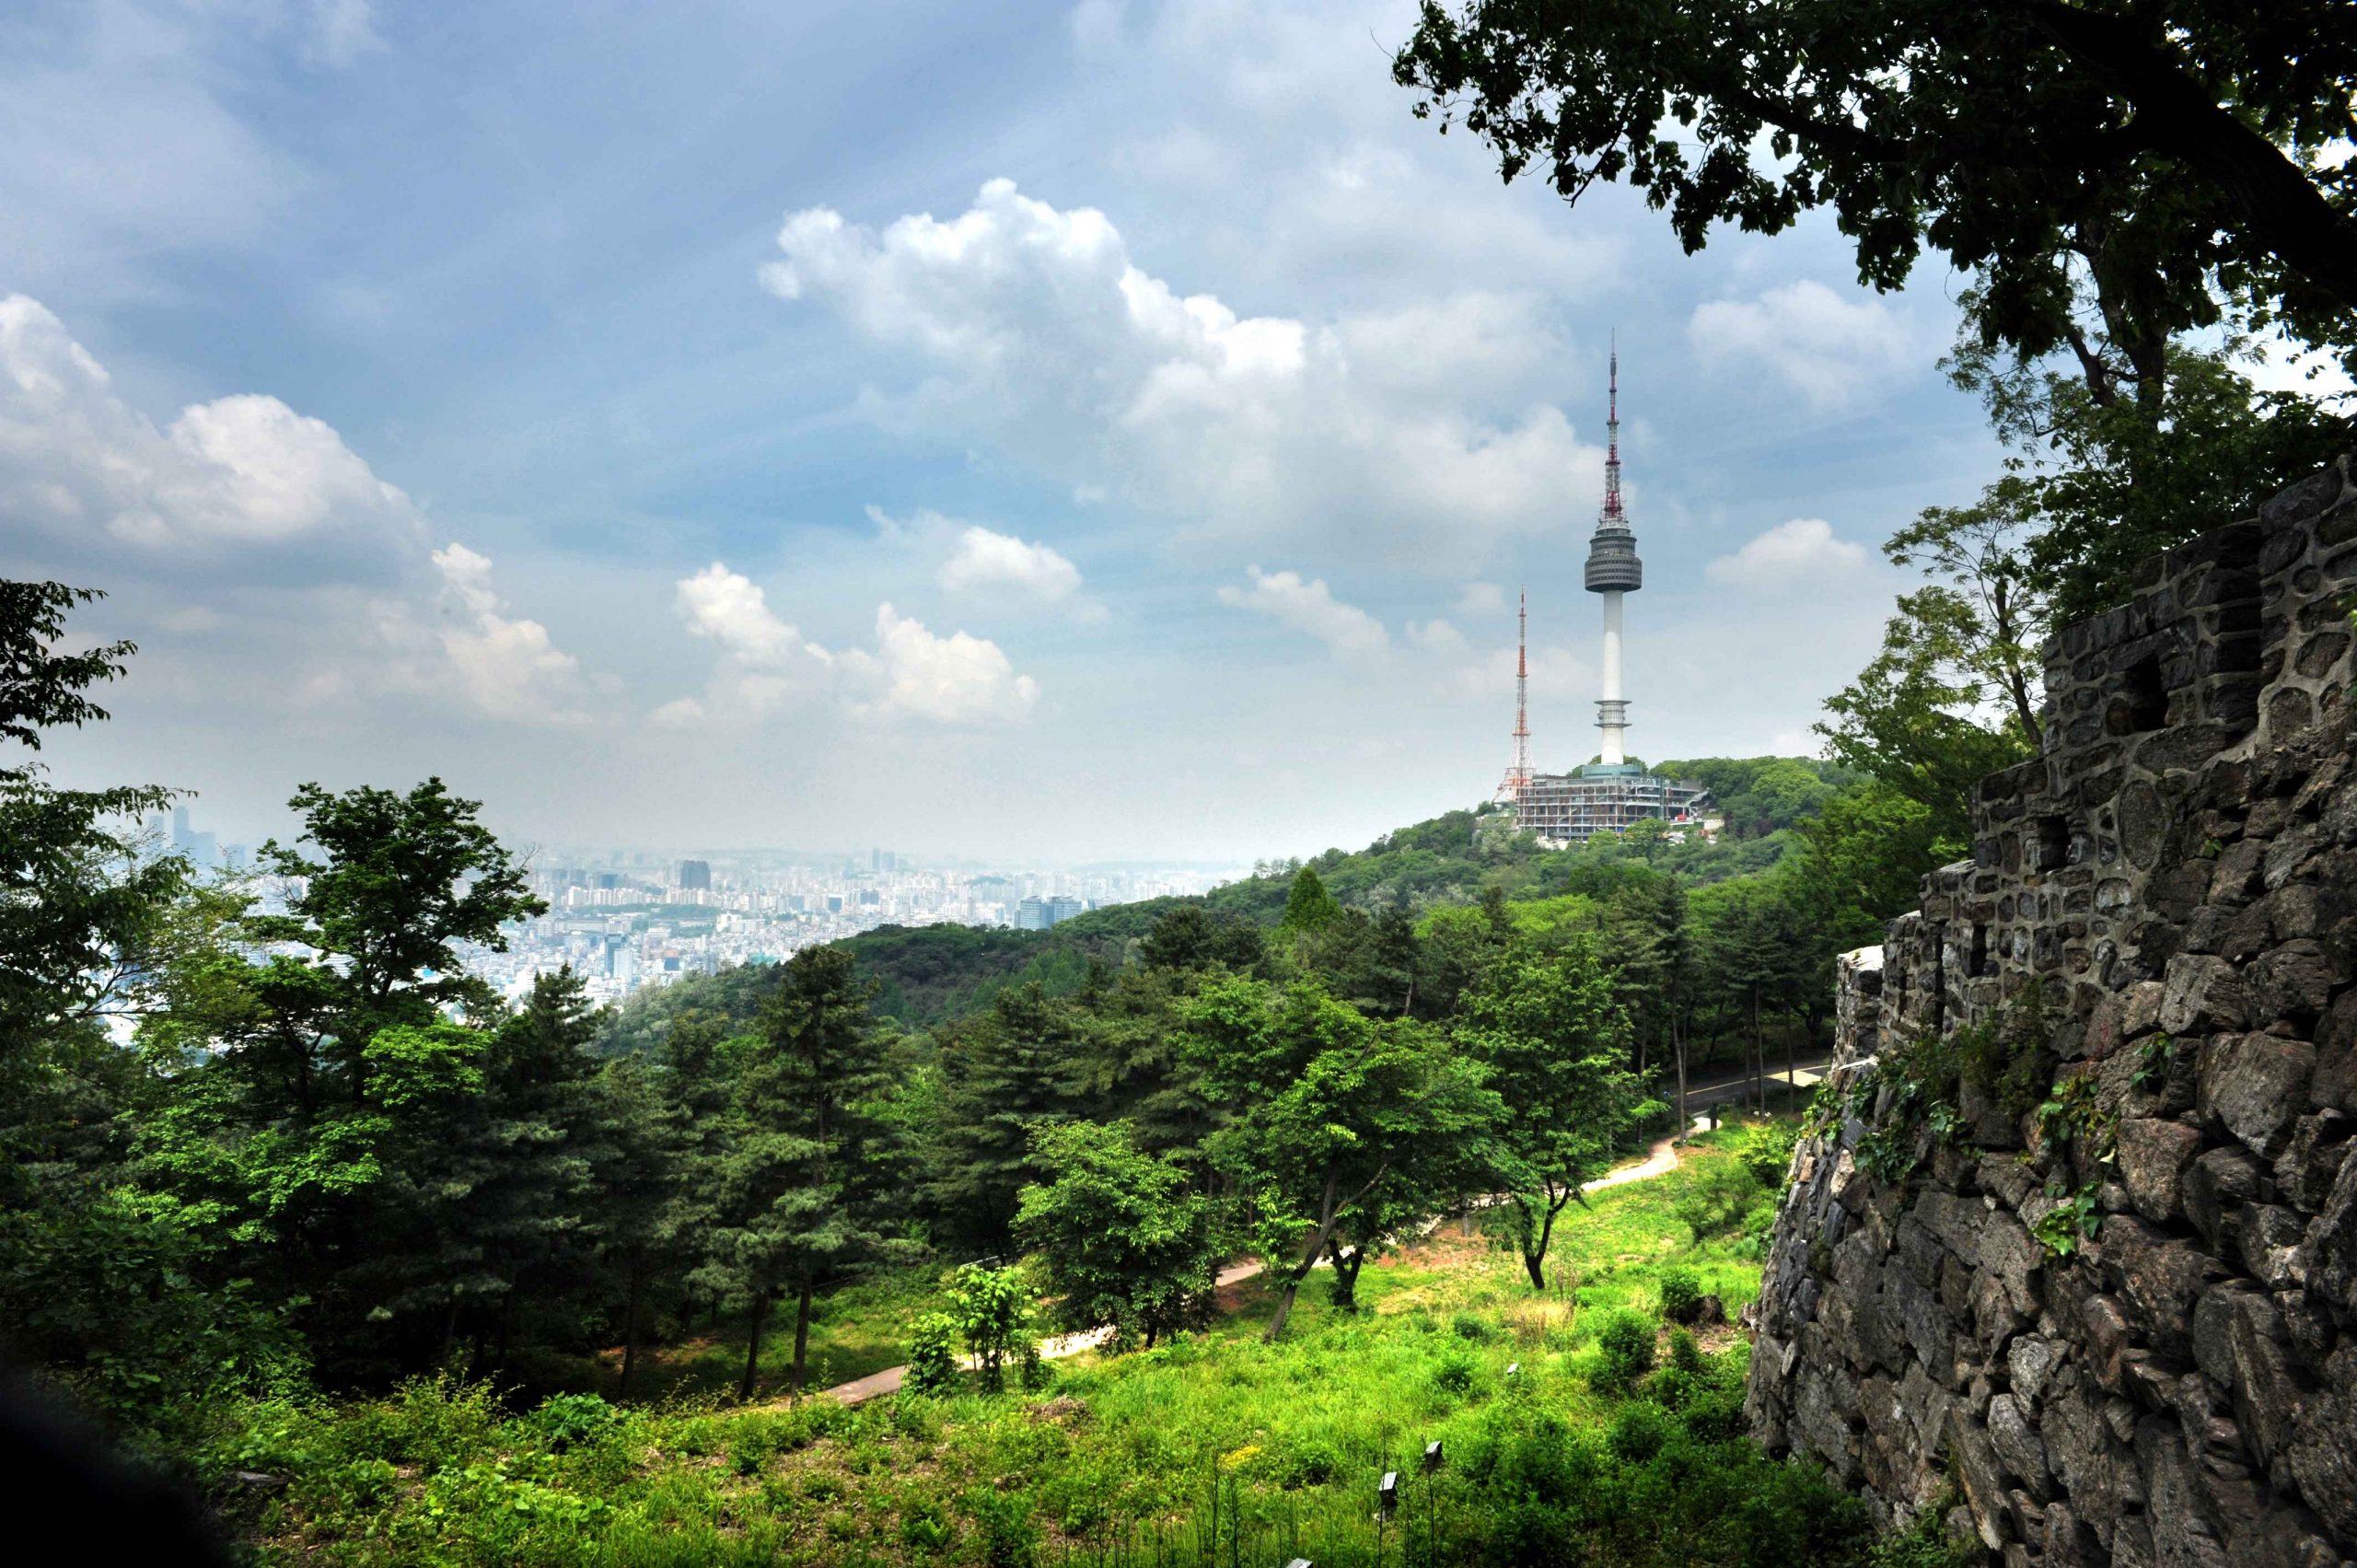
(860, 1389)
(1660, 1160)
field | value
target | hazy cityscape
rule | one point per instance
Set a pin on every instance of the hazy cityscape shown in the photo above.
(625, 918)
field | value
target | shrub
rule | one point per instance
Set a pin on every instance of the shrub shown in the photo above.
(1716, 1198)
(1010, 1535)
(1671, 1387)
(933, 1354)
(1031, 1370)
(1626, 1347)
(1639, 1432)
(1469, 1326)
(1685, 1354)
(1307, 1461)
(1711, 1418)
(566, 1419)
(1680, 1290)
(1767, 1153)
(1455, 1374)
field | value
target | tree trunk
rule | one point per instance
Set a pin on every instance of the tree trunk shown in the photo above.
(1318, 1241)
(1678, 1045)
(802, 1333)
(1347, 1262)
(753, 1344)
(629, 1326)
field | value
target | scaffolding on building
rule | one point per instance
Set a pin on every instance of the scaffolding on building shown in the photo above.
(1570, 809)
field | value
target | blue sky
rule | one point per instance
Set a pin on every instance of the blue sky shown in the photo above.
(1032, 432)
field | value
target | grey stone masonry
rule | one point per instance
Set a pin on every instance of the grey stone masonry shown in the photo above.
(2174, 1383)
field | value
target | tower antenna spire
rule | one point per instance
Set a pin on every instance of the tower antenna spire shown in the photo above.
(1517, 777)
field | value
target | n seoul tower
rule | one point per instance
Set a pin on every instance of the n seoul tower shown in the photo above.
(1613, 570)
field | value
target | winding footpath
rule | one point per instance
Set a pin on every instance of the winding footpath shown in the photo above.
(1660, 1160)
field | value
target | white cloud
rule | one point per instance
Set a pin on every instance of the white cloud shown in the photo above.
(247, 470)
(1791, 553)
(1481, 598)
(1037, 330)
(1308, 607)
(1833, 350)
(1436, 637)
(988, 562)
(957, 679)
(507, 667)
(766, 664)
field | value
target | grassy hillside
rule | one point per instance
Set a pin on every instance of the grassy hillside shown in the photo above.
(1216, 1448)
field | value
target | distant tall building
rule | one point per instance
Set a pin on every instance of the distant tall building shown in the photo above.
(1612, 792)
(202, 848)
(695, 876)
(1040, 913)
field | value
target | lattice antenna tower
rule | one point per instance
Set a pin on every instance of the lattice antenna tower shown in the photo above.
(1518, 770)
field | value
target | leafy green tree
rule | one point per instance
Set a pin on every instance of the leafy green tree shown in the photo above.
(1328, 1108)
(76, 905)
(1127, 1246)
(1546, 1027)
(993, 1316)
(2166, 156)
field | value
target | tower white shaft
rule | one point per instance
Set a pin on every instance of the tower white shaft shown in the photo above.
(1613, 712)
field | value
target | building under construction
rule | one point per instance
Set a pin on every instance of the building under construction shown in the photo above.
(1611, 794)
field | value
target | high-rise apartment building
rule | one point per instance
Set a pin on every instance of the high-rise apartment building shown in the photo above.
(695, 876)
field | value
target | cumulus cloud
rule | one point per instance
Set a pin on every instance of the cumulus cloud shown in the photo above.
(957, 679)
(75, 458)
(1037, 330)
(1308, 606)
(507, 667)
(1832, 349)
(1790, 552)
(1004, 566)
(766, 664)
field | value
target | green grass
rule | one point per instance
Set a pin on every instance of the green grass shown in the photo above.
(1213, 1448)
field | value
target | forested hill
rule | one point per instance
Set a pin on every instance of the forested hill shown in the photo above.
(933, 973)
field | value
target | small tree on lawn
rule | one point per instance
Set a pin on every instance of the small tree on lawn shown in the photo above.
(1127, 1245)
(1545, 1025)
(993, 1315)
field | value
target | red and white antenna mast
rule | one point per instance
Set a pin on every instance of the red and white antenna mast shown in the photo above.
(1518, 770)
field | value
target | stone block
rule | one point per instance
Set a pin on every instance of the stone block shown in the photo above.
(2254, 1087)
(2217, 1185)
(2153, 1157)
(2204, 994)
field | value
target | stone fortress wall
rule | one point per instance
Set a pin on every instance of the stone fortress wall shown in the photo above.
(2169, 897)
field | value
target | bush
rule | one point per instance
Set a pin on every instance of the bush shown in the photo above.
(1716, 1198)
(1679, 1293)
(1767, 1153)
(1639, 1432)
(1010, 1535)
(933, 1354)
(1469, 1326)
(1626, 1347)
(1685, 1354)
(567, 1420)
(1456, 1373)
(1711, 1418)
